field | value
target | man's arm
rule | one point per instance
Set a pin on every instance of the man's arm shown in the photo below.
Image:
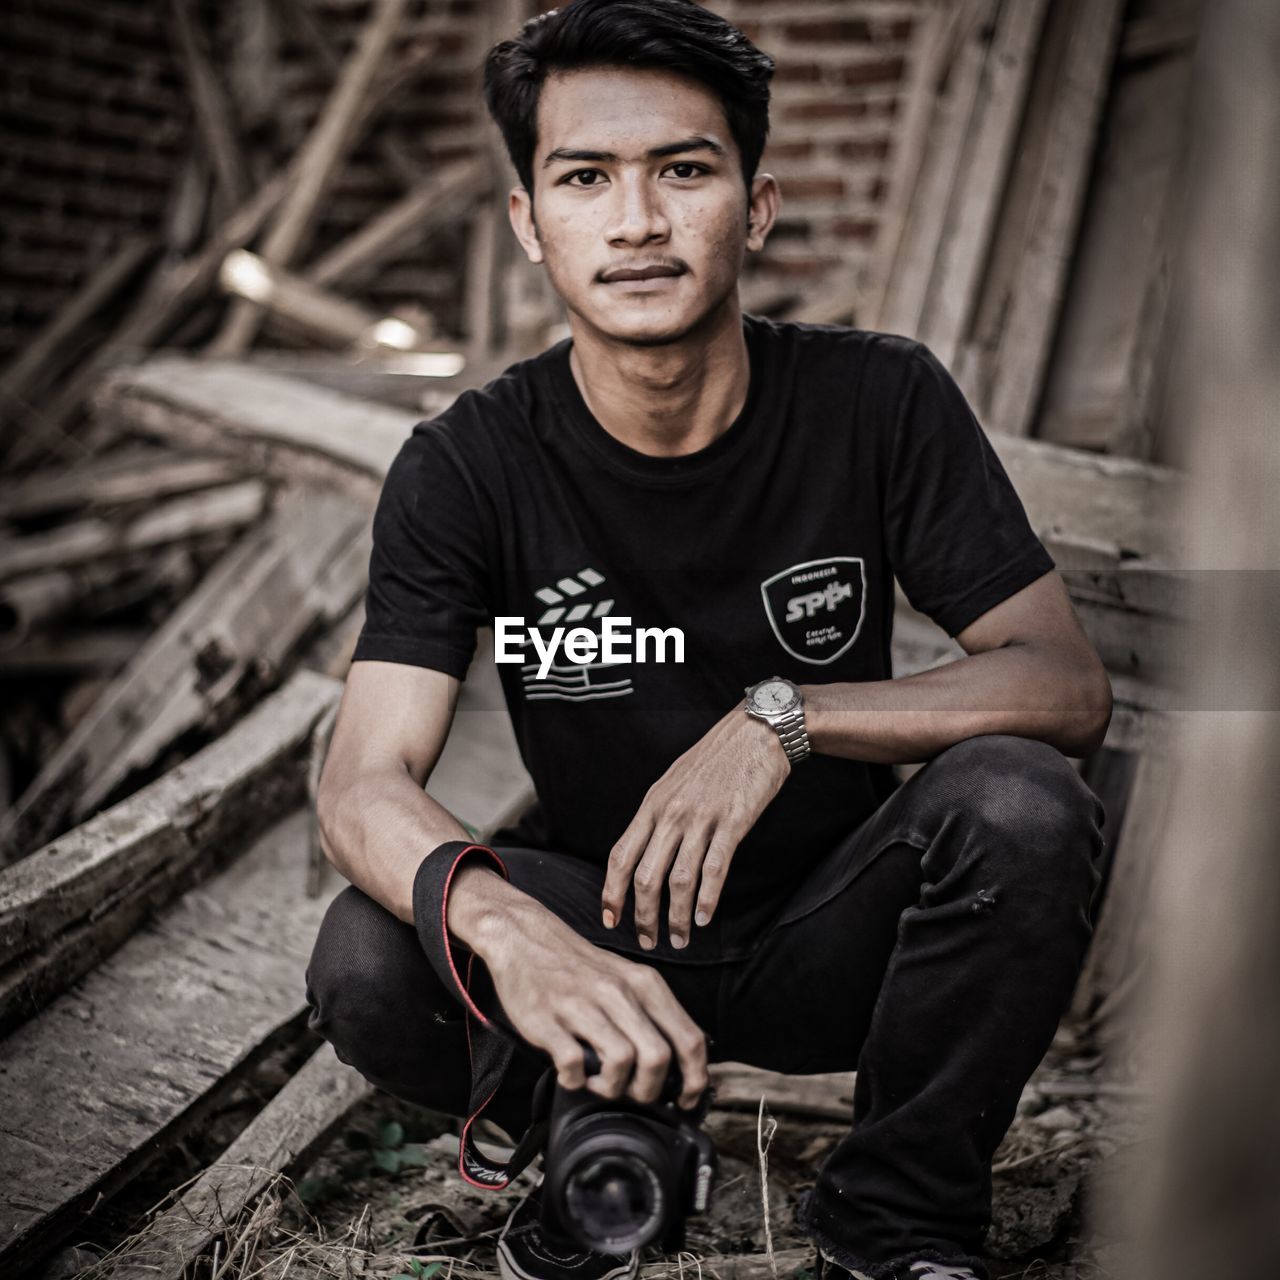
(377, 824)
(1030, 671)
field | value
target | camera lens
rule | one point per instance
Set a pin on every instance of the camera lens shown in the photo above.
(615, 1201)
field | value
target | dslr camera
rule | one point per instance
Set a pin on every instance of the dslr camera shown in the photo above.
(620, 1174)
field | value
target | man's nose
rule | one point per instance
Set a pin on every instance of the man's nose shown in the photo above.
(639, 217)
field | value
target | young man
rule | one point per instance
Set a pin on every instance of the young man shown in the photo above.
(700, 864)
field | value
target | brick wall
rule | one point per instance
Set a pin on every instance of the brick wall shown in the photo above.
(96, 129)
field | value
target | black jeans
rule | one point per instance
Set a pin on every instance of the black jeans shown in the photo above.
(934, 950)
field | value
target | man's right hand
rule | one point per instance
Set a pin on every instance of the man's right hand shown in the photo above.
(558, 989)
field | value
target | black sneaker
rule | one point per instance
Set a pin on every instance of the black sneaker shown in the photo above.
(526, 1252)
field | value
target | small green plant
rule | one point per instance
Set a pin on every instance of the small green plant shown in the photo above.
(388, 1150)
(417, 1271)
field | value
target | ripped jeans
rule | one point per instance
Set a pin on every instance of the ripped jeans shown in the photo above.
(934, 950)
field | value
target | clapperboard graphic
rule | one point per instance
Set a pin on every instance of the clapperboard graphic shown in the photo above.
(567, 681)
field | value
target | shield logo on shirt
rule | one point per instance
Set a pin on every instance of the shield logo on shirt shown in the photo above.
(816, 608)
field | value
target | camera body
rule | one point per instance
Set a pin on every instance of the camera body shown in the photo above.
(621, 1174)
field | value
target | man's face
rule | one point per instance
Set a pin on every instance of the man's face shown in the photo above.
(640, 211)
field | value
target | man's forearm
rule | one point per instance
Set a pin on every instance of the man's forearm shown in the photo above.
(1020, 689)
(377, 833)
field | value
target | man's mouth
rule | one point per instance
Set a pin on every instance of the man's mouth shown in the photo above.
(654, 271)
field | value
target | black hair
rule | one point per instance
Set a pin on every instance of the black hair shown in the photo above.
(668, 35)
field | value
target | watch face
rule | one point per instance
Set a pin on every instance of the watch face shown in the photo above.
(774, 697)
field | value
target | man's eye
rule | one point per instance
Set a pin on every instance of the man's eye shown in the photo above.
(686, 169)
(588, 177)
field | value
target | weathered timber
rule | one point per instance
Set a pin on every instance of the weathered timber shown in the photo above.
(118, 1068)
(286, 1134)
(240, 625)
(228, 506)
(739, 1087)
(1077, 84)
(83, 651)
(75, 900)
(1101, 387)
(382, 376)
(318, 162)
(301, 306)
(958, 99)
(138, 473)
(980, 179)
(277, 425)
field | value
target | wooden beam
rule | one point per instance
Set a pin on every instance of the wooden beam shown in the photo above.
(72, 902)
(906, 294)
(322, 155)
(135, 474)
(275, 424)
(118, 1068)
(1030, 318)
(228, 506)
(289, 1131)
(980, 181)
(240, 625)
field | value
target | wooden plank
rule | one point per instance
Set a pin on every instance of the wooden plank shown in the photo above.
(84, 651)
(983, 170)
(739, 1087)
(318, 163)
(1083, 500)
(243, 621)
(79, 542)
(1100, 381)
(307, 309)
(287, 1133)
(1049, 236)
(135, 474)
(273, 423)
(115, 1070)
(907, 292)
(69, 904)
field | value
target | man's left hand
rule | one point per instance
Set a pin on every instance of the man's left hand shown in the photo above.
(691, 821)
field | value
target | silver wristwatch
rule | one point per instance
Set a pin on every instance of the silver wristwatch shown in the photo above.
(779, 703)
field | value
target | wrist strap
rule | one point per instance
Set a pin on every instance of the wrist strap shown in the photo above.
(489, 1046)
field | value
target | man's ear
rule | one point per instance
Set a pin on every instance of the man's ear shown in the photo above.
(520, 211)
(762, 210)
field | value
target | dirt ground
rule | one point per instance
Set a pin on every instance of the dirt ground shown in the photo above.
(385, 1192)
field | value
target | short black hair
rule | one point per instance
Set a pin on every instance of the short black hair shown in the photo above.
(666, 35)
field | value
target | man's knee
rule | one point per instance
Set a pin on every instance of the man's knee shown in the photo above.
(370, 989)
(1029, 812)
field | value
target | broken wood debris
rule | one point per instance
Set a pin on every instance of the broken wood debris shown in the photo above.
(237, 628)
(69, 904)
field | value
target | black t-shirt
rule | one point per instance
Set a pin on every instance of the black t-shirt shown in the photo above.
(854, 459)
